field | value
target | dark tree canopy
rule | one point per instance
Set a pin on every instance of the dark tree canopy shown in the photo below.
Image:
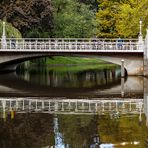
(27, 14)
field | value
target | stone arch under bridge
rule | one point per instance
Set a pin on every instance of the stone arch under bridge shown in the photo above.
(133, 62)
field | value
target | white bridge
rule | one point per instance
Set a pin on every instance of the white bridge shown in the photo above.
(70, 45)
(134, 53)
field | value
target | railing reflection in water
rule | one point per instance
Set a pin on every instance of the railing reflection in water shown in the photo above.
(72, 106)
(95, 106)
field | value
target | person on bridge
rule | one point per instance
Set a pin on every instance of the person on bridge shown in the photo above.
(13, 42)
(120, 43)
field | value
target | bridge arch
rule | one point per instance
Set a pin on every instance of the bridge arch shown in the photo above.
(133, 62)
(9, 62)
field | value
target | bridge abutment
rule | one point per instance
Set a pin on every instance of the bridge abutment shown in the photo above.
(146, 56)
(146, 99)
(133, 63)
(9, 62)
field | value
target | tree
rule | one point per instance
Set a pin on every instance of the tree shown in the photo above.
(106, 18)
(26, 15)
(80, 129)
(73, 19)
(121, 17)
(127, 24)
(93, 4)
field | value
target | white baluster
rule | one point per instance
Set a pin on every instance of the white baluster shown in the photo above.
(43, 105)
(76, 44)
(49, 106)
(62, 106)
(10, 42)
(23, 105)
(103, 45)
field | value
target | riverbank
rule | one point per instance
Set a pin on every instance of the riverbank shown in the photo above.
(72, 64)
(62, 60)
(77, 68)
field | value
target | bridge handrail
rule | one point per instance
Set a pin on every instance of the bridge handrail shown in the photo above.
(36, 44)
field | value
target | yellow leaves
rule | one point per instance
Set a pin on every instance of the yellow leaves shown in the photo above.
(121, 18)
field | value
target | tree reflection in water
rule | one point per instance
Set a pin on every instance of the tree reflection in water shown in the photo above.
(58, 77)
(41, 130)
(27, 131)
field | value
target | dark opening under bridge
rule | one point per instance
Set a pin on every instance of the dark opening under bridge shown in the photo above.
(134, 54)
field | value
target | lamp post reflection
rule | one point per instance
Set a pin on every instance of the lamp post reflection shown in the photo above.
(146, 99)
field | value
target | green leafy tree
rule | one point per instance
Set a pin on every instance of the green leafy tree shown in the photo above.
(127, 24)
(93, 4)
(73, 19)
(106, 18)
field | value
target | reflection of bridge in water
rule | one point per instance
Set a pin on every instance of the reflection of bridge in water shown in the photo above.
(72, 106)
(56, 86)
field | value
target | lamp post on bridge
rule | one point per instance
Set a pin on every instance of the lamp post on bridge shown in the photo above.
(140, 37)
(3, 41)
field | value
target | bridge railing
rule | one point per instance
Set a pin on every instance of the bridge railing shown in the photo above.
(66, 44)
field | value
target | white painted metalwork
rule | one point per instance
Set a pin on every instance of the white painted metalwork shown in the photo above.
(70, 45)
(72, 106)
(3, 40)
(146, 46)
(140, 37)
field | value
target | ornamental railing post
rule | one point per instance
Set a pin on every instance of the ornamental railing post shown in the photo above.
(76, 44)
(3, 40)
(130, 48)
(140, 37)
(103, 44)
(10, 42)
(23, 44)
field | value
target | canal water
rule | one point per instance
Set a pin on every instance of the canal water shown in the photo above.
(73, 107)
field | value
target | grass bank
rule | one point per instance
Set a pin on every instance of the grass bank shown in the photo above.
(75, 64)
(62, 64)
(79, 68)
(62, 60)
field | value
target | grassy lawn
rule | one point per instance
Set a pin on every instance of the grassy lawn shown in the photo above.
(78, 68)
(62, 64)
(75, 64)
(61, 60)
